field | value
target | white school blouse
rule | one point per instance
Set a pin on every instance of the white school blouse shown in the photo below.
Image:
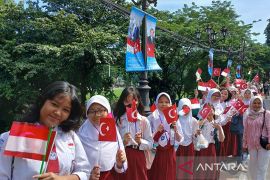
(102, 153)
(142, 125)
(208, 132)
(72, 159)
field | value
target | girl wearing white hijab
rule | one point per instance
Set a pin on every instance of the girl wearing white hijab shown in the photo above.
(253, 121)
(189, 127)
(105, 157)
(167, 136)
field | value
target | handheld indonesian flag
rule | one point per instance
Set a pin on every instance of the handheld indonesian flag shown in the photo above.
(198, 74)
(153, 107)
(225, 72)
(107, 129)
(184, 111)
(202, 86)
(243, 109)
(170, 114)
(217, 72)
(29, 141)
(205, 111)
(132, 112)
(256, 78)
(195, 103)
(211, 84)
(238, 104)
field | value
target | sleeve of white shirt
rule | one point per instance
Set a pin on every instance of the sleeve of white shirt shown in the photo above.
(120, 142)
(180, 131)
(147, 139)
(5, 161)
(82, 167)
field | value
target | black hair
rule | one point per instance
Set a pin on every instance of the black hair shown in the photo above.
(50, 92)
(120, 108)
(229, 94)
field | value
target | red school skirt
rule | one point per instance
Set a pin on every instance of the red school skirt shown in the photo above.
(164, 164)
(136, 165)
(108, 175)
(184, 162)
(205, 157)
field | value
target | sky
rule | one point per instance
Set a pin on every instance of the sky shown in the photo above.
(249, 10)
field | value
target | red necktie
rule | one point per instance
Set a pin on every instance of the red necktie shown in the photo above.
(53, 164)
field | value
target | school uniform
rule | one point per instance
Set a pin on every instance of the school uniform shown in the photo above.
(69, 151)
(137, 169)
(185, 151)
(100, 153)
(207, 155)
(164, 164)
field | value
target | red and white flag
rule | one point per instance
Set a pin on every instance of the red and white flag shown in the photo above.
(238, 104)
(170, 114)
(238, 82)
(195, 103)
(243, 86)
(184, 111)
(198, 74)
(256, 78)
(226, 109)
(202, 86)
(153, 107)
(225, 72)
(217, 72)
(243, 109)
(211, 84)
(29, 141)
(132, 112)
(107, 130)
(205, 111)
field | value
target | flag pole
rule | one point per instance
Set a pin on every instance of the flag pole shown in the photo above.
(46, 148)
(218, 80)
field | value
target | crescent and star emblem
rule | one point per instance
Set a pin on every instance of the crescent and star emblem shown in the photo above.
(107, 129)
(172, 113)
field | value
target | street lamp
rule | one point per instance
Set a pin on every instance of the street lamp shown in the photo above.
(143, 82)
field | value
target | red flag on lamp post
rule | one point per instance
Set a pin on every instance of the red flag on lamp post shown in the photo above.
(170, 114)
(107, 130)
(216, 72)
(29, 141)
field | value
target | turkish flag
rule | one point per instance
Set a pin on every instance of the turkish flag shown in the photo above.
(132, 112)
(226, 109)
(205, 111)
(243, 109)
(211, 84)
(225, 72)
(256, 78)
(170, 114)
(107, 130)
(195, 103)
(238, 104)
(238, 82)
(243, 86)
(184, 111)
(153, 107)
(217, 72)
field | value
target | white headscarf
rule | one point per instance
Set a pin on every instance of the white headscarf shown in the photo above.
(99, 100)
(217, 105)
(246, 101)
(250, 112)
(185, 121)
(163, 94)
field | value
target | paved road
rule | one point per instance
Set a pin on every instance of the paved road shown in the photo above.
(240, 175)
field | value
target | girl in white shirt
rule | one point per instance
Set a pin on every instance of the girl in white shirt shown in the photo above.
(58, 106)
(137, 135)
(167, 136)
(105, 157)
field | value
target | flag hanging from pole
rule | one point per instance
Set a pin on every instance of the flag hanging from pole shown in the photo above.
(134, 56)
(211, 61)
(151, 63)
(229, 65)
(29, 141)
